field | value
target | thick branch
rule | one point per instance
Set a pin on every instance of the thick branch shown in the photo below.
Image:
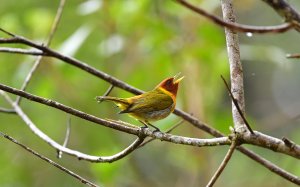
(236, 70)
(272, 143)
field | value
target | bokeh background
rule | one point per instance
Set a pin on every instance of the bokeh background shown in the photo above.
(142, 42)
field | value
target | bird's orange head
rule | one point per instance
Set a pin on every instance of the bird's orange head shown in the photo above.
(171, 84)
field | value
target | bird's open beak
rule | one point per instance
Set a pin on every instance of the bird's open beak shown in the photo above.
(177, 79)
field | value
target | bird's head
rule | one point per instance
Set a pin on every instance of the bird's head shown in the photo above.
(171, 84)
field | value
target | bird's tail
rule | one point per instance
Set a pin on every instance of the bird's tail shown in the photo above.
(114, 99)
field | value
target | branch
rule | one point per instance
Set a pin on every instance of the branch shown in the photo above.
(8, 111)
(69, 172)
(223, 164)
(59, 153)
(284, 9)
(22, 51)
(272, 143)
(128, 129)
(236, 70)
(184, 115)
(235, 26)
(79, 155)
(237, 106)
(297, 55)
(271, 166)
(168, 131)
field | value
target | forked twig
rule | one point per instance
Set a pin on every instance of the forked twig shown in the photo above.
(59, 152)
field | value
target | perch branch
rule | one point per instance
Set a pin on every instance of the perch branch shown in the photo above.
(128, 129)
(79, 155)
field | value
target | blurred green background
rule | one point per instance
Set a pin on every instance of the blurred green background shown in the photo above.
(142, 42)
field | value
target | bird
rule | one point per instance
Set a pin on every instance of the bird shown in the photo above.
(150, 106)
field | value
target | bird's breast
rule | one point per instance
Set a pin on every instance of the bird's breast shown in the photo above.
(153, 115)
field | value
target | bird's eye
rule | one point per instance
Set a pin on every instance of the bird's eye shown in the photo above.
(169, 81)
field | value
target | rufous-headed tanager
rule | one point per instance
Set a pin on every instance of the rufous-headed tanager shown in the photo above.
(149, 106)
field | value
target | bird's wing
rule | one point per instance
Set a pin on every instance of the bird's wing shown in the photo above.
(150, 101)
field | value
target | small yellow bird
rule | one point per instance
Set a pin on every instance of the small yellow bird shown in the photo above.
(149, 106)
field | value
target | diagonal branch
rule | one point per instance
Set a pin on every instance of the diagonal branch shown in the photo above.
(223, 164)
(76, 176)
(270, 166)
(237, 105)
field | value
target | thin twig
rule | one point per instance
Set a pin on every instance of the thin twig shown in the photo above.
(237, 105)
(21, 51)
(111, 87)
(8, 111)
(297, 55)
(59, 152)
(48, 42)
(69, 172)
(8, 33)
(235, 26)
(223, 164)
